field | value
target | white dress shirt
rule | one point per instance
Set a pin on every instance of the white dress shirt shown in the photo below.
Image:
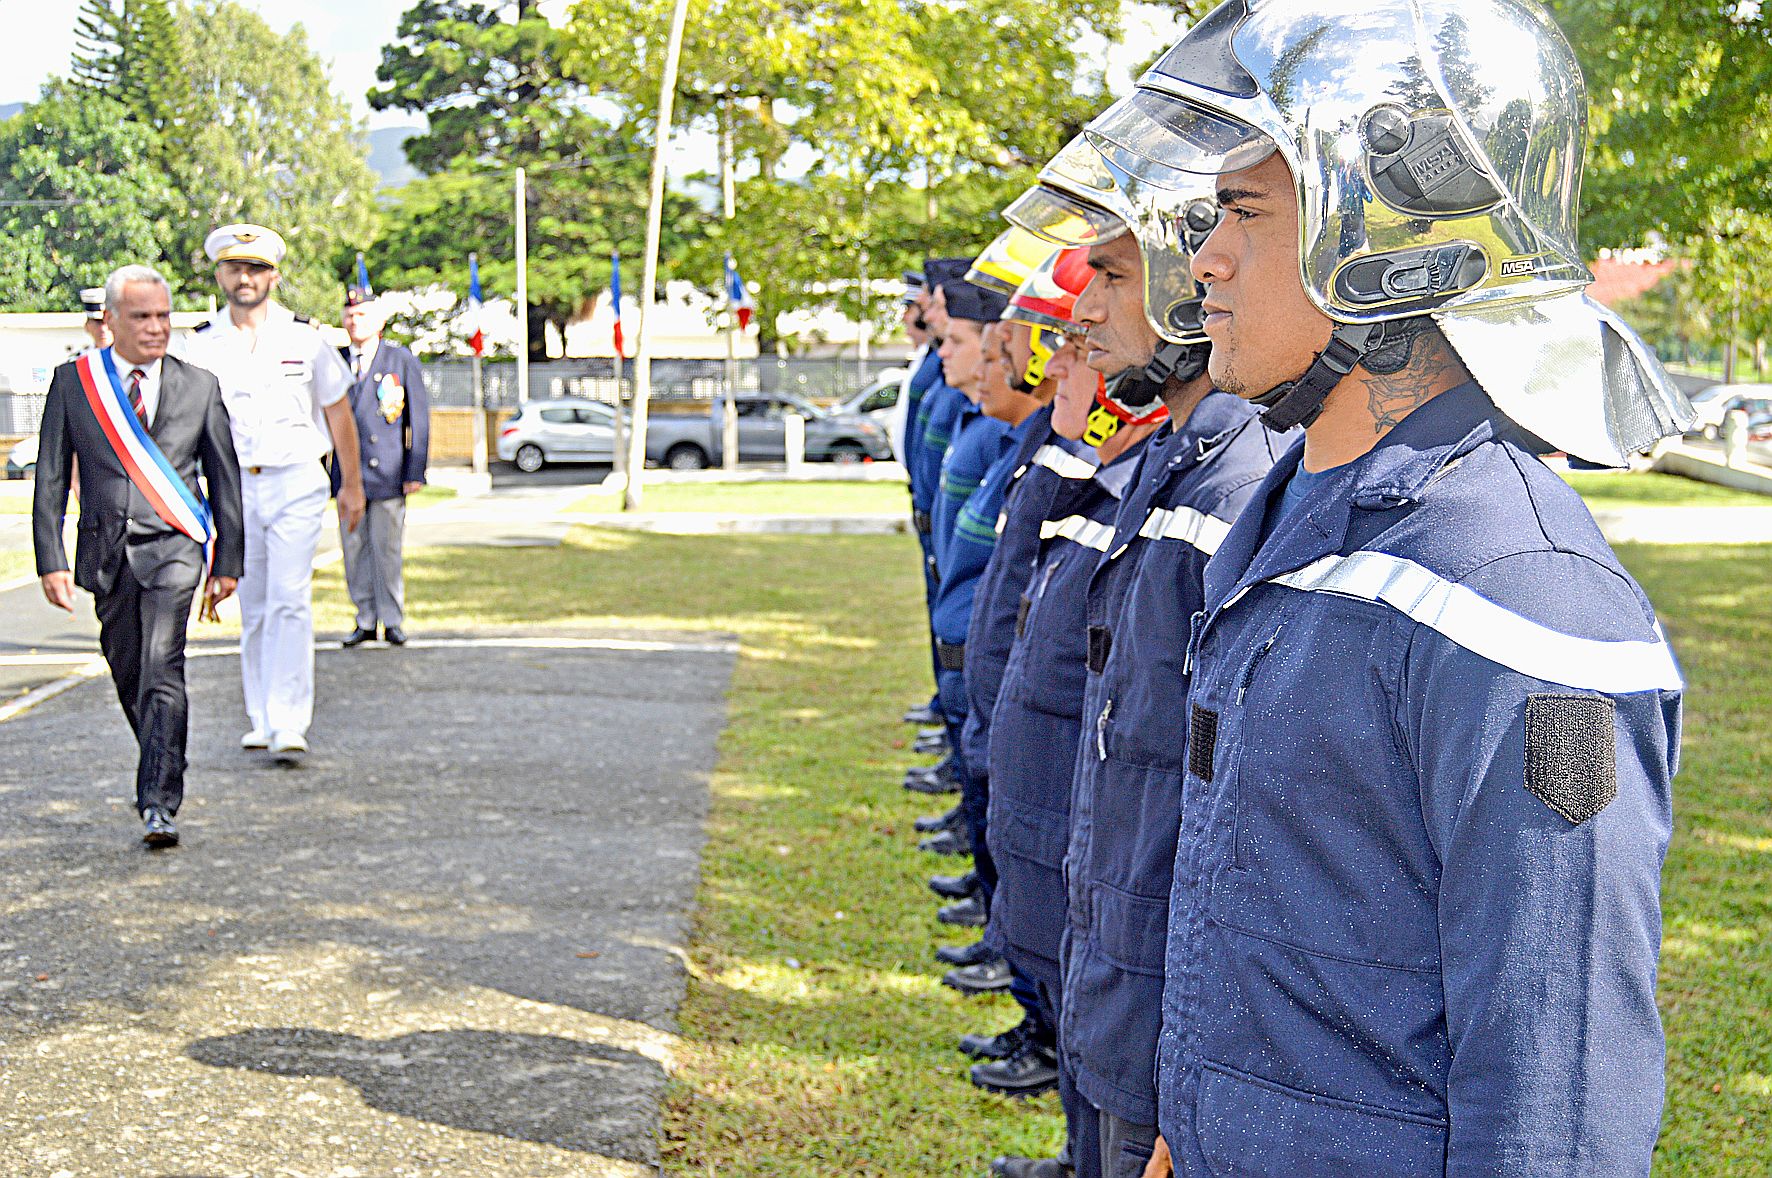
(276, 383)
(150, 386)
(363, 357)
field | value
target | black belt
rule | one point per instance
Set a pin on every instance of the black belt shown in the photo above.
(951, 655)
(1101, 644)
(922, 522)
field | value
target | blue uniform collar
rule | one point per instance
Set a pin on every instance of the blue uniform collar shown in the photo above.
(1390, 475)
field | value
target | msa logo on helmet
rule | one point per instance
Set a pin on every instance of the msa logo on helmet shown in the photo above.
(1518, 267)
(1421, 166)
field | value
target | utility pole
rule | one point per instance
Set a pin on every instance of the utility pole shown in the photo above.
(667, 93)
(729, 199)
(522, 286)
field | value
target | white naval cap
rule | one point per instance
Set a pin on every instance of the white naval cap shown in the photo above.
(245, 243)
(92, 298)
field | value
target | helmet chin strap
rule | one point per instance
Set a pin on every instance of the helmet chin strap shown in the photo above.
(1181, 362)
(1380, 348)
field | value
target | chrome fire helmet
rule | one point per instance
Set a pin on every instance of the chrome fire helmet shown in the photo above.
(1436, 147)
(1009, 259)
(1083, 199)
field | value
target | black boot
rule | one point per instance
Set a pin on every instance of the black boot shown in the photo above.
(964, 954)
(1029, 1072)
(923, 714)
(1002, 1045)
(954, 887)
(946, 842)
(967, 913)
(987, 977)
(934, 822)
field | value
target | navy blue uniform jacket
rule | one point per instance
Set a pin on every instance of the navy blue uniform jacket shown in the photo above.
(393, 415)
(1191, 484)
(1416, 911)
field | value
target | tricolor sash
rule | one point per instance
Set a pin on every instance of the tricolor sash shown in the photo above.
(142, 459)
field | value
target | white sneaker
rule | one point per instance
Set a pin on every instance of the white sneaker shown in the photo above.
(258, 738)
(288, 742)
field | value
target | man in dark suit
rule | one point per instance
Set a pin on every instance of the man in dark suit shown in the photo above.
(393, 415)
(143, 426)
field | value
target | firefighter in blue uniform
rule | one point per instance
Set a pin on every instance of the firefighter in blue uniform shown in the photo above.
(1024, 482)
(963, 543)
(925, 375)
(938, 412)
(1432, 722)
(1193, 480)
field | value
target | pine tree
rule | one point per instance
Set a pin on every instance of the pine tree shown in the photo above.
(99, 38)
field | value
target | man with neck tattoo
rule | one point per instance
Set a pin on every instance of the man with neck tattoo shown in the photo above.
(1432, 723)
(1196, 474)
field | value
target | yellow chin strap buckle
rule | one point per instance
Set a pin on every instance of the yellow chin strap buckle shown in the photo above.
(1101, 425)
(1044, 345)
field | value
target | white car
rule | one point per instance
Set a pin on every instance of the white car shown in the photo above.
(570, 429)
(1713, 403)
(22, 458)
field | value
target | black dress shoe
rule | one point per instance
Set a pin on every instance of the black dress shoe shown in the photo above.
(1030, 1168)
(393, 635)
(987, 977)
(1029, 1072)
(964, 954)
(932, 785)
(946, 842)
(1002, 1045)
(925, 746)
(934, 822)
(967, 913)
(954, 887)
(158, 830)
(923, 714)
(939, 732)
(940, 777)
(359, 636)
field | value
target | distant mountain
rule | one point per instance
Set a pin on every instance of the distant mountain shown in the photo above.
(8, 109)
(387, 157)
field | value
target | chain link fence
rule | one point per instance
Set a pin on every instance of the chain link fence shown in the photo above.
(451, 383)
(822, 381)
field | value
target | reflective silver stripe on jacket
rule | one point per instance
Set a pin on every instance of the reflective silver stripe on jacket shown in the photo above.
(1079, 529)
(1203, 531)
(1063, 462)
(1489, 630)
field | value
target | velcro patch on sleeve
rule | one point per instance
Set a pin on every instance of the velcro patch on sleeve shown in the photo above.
(1202, 741)
(1571, 764)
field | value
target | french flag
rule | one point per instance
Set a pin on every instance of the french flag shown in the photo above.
(477, 341)
(737, 297)
(615, 297)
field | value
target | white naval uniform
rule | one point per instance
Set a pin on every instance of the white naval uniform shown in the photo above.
(276, 384)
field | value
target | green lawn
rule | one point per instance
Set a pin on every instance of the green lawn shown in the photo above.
(1609, 489)
(16, 563)
(817, 1041)
(825, 498)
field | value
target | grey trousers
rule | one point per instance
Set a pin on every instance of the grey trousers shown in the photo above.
(372, 564)
(1125, 1147)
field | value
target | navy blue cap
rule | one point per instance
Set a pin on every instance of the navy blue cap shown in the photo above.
(967, 301)
(938, 270)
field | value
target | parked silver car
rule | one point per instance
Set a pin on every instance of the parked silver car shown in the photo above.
(569, 429)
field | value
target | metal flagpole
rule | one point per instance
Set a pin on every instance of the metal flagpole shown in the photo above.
(729, 199)
(479, 400)
(667, 93)
(522, 287)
